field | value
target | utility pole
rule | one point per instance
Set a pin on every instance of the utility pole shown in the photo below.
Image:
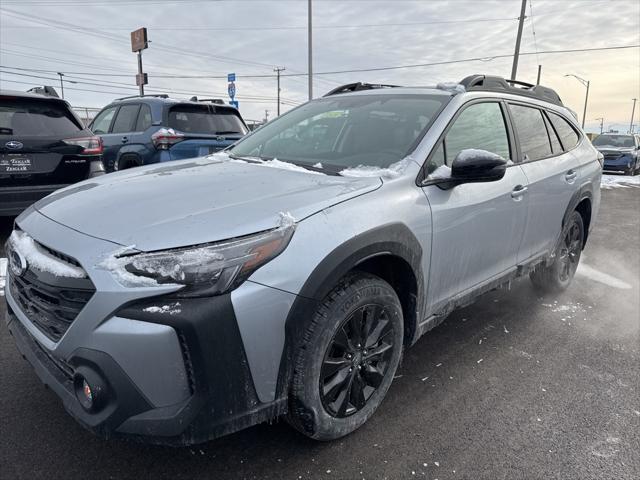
(601, 124)
(514, 68)
(633, 111)
(539, 74)
(140, 83)
(586, 83)
(62, 88)
(310, 53)
(278, 70)
(266, 116)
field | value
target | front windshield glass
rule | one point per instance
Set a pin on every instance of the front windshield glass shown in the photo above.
(624, 141)
(348, 131)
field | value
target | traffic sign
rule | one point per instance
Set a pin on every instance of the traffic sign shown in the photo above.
(232, 90)
(231, 77)
(139, 40)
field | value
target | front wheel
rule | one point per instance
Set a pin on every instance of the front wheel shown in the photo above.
(558, 275)
(347, 358)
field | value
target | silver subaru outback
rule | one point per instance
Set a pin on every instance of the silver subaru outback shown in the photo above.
(175, 303)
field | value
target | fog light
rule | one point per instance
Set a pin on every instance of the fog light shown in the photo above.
(89, 389)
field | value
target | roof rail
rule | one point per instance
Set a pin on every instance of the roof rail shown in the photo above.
(217, 101)
(157, 95)
(355, 87)
(516, 87)
(44, 90)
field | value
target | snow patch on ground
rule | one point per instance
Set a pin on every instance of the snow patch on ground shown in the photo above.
(452, 87)
(392, 171)
(619, 181)
(38, 258)
(3, 274)
(166, 309)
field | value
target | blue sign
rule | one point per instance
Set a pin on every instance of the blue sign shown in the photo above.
(235, 103)
(231, 77)
(232, 90)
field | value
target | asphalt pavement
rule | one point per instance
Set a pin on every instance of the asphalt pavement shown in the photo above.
(515, 386)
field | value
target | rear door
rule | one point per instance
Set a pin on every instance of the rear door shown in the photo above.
(477, 227)
(32, 151)
(101, 126)
(552, 172)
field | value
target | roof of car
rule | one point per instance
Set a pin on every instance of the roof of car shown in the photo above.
(165, 99)
(39, 96)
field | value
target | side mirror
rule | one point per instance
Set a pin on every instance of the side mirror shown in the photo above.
(477, 166)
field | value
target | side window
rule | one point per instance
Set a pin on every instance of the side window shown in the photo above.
(102, 121)
(480, 126)
(568, 135)
(144, 118)
(532, 133)
(125, 119)
(555, 141)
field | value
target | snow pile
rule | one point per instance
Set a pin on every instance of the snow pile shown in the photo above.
(452, 87)
(116, 263)
(619, 181)
(439, 173)
(318, 165)
(38, 258)
(392, 171)
(3, 274)
(286, 220)
(275, 163)
(166, 309)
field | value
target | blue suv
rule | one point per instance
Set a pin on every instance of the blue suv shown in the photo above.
(621, 152)
(147, 129)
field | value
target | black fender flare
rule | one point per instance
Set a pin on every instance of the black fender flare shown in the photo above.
(584, 192)
(393, 239)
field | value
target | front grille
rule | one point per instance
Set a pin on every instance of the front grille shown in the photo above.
(51, 303)
(611, 156)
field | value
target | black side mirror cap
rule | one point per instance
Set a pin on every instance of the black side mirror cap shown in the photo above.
(477, 166)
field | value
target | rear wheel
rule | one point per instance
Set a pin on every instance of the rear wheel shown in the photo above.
(128, 161)
(558, 275)
(347, 358)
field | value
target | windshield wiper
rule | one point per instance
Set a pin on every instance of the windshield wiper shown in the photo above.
(228, 132)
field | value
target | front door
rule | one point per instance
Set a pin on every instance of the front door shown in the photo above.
(477, 227)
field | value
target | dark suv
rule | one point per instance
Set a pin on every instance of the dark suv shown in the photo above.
(43, 147)
(155, 128)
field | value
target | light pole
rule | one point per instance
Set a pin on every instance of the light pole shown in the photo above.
(310, 52)
(586, 97)
(633, 111)
(61, 83)
(601, 123)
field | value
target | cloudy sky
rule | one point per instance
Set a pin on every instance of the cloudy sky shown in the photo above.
(88, 41)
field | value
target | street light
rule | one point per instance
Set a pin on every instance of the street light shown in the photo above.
(62, 83)
(633, 111)
(586, 98)
(601, 123)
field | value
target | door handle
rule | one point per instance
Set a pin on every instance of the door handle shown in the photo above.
(518, 192)
(125, 139)
(570, 176)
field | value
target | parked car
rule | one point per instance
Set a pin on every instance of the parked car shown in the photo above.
(147, 129)
(43, 147)
(286, 275)
(621, 152)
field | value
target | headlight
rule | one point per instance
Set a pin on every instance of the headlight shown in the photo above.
(209, 269)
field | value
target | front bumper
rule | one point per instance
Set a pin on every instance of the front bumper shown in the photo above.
(178, 377)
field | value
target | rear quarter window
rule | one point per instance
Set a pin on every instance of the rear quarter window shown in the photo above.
(36, 118)
(568, 136)
(532, 132)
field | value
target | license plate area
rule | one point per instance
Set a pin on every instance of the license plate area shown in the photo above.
(16, 163)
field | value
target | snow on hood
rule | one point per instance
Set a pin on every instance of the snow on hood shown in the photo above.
(40, 259)
(392, 171)
(195, 201)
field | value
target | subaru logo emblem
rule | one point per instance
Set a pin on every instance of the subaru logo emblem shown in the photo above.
(13, 145)
(17, 263)
(220, 139)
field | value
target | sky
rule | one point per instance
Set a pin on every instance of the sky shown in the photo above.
(88, 41)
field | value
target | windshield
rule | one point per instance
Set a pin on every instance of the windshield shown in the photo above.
(206, 119)
(624, 141)
(39, 118)
(349, 131)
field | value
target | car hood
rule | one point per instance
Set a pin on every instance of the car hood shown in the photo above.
(615, 149)
(195, 201)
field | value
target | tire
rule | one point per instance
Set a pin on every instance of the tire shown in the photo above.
(339, 382)
(557, 276)
(127, 161)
